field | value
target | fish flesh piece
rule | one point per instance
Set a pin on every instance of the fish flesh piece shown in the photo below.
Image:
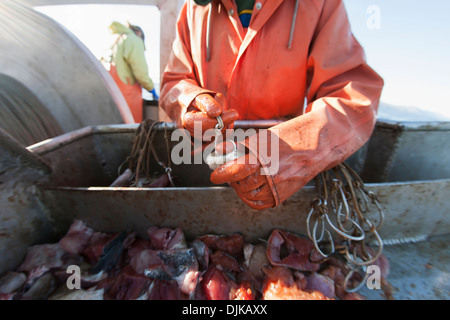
(127, 285)
(51, 256)
(111, 254)
(97, 243)
(231, 244)
(319, 282)
(297, 251)
(182, 266)
(201, 253)
(279, 284)
(256, 260)
(164, 290)
(78, 294)
(145, 260)
(216, 285)
(226, 261)
(166, 238)
(41, 288)
(12, 281)
(77, 238)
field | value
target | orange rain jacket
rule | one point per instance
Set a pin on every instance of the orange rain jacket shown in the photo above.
(292, 50)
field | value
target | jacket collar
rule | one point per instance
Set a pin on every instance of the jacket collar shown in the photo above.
(259, 18)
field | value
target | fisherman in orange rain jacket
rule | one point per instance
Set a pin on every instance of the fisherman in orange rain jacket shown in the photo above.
(291, 50)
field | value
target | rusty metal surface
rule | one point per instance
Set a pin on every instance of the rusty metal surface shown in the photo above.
(218, 210)
(196, 210)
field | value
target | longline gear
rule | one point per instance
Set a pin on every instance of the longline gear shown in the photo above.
(339, 220)
(143, 149)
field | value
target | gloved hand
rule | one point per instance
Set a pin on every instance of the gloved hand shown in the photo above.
(244, 175)
(155, 96)
(205, 109)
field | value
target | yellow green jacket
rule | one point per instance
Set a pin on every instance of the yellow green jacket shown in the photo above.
(128, 57)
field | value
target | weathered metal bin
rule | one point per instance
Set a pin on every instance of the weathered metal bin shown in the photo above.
(48, 185)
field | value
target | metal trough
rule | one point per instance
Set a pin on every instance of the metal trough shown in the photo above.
(84, 163)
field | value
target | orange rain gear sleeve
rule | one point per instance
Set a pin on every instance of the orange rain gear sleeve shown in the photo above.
(267, 71)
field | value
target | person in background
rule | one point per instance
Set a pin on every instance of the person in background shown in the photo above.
(129, 67)
(252, 60)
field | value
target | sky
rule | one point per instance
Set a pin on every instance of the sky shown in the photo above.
(406, 41)
(410, 50)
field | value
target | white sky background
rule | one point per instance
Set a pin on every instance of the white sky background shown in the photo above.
(407, 43)
(409, 49)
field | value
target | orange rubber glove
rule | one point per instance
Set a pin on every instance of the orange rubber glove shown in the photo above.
(244, 174)
(205, 108)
